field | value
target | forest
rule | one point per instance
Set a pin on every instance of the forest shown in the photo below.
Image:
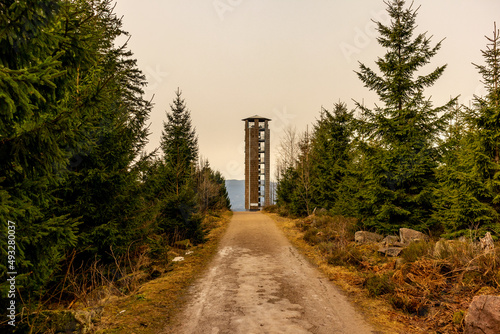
(79, 195)
(404, 162)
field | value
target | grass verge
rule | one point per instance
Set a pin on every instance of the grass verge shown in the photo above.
(377, 311)
(427, 289)
(151, 308)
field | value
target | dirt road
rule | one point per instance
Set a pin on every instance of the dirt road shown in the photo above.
(259, 283)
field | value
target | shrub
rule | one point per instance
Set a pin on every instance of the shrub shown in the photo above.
(345, 256)
(378, 285)
(311, 236)
(283, 212)
(338, 229)
(417, 250)
(271, 208)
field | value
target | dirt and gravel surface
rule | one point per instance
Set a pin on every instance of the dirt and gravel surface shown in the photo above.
(259, 283)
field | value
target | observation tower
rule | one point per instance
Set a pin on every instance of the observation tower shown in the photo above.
(257, 162)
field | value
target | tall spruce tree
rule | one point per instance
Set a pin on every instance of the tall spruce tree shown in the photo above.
(71, 124)
(180, 152)
(34, 128)
(398, 136)
(469, 189)
(179, 143)
(487, 120)
(331, 153)
(101, 188)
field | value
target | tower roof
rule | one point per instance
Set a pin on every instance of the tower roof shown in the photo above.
(260, 118)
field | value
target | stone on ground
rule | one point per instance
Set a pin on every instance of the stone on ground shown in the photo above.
(483, 316)
(364, 237)
(407, 236)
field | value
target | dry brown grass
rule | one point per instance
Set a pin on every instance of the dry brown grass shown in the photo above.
(150, 309)
(427, 290)
(438, 286)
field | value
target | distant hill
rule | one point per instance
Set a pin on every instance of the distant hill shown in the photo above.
(236, 192)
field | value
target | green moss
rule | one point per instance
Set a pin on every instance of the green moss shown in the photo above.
(458, 317)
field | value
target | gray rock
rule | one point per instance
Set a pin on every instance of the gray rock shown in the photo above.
(364, 237)
(391, 251)
(407, 236)
(483, 316)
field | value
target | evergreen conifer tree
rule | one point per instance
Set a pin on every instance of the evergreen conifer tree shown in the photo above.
(180, 149)
(34, 128)
(469, 189)
(179, 143)
(71, 126)
(331, 152)
(102, 186)
(399, 136)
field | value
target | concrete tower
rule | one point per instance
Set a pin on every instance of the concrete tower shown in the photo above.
(257, 162)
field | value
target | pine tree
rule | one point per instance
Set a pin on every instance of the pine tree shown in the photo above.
(102, 186)
(469, 189)
(179, 143)
(487, 121)
(331, 153)
(34, 128)
(71, 126)
(399, 136)
(487, 115)
(180, 149)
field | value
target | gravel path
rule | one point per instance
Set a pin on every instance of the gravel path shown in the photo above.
(259, 283)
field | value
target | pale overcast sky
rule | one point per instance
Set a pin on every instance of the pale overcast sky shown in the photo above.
(283, 59)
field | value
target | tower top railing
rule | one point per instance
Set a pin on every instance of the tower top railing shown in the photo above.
(254, 117)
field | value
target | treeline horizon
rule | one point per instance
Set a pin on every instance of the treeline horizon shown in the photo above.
(404, 162)
(74, 175)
